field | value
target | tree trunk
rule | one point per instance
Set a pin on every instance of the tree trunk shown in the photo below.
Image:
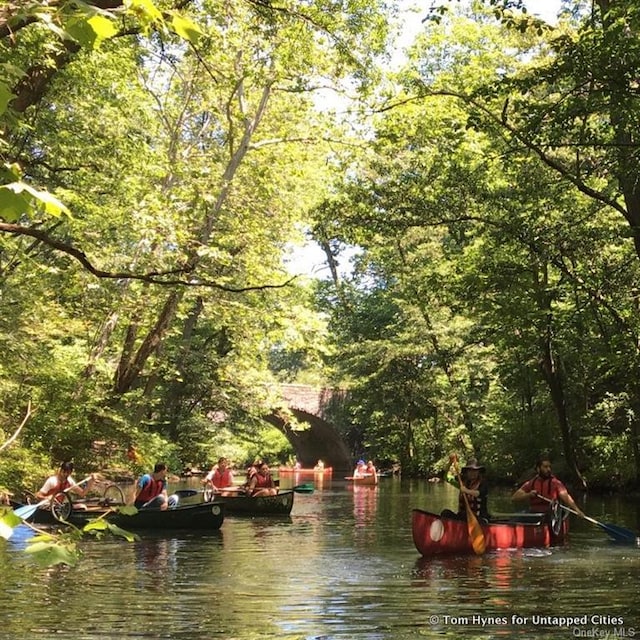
(132, 368)
(552, 374)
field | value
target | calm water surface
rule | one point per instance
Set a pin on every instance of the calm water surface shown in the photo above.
(343, 565)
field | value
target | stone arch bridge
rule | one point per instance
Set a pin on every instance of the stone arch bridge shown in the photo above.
(318, 438)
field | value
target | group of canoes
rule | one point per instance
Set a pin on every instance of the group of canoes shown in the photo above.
(153, 508)
(187, 508)
(187, 514)
(433, 534)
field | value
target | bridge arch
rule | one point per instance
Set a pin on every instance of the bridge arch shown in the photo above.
(319, 440)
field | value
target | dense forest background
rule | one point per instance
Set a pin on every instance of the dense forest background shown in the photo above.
(478, 204)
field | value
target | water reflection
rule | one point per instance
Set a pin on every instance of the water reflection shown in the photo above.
(342, 566)
(365, 506)
(155, 562)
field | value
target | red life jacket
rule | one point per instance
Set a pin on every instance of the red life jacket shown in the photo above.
(549, 487)
(61, 486)
(223, 479)
(150, 490)
(263, 482)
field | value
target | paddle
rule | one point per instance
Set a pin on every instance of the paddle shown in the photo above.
(28, 510)
(476, 535)
(616, 532)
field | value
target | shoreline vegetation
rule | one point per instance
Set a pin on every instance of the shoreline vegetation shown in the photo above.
(477, 207)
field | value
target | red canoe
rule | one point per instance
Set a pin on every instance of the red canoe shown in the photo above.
(314, 471)
(368, 478)
(435, 535)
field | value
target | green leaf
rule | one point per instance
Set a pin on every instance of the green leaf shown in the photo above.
(103, 28)
(6, 528)
(81, 31)
(123, 533)
(5, 97)
(18, 198)
(186, 29)
(50, 553)
(128, 510)
(51, 204)
(144, 9)
(11, 519)
(12, 204)
(99, 524)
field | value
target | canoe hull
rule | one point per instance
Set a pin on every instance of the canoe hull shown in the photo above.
(208, 515)
(280, 504)
(434, 535)
(327, 471)
(366, 480)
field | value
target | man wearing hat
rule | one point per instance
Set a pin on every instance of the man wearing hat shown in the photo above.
(476, 489)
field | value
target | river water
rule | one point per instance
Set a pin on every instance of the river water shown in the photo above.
(342, 566)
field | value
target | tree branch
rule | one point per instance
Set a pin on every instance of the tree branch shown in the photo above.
(27, 415)
(517, 135)
(152, 277)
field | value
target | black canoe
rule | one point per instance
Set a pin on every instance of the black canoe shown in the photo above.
(280, 504)
(203, 515)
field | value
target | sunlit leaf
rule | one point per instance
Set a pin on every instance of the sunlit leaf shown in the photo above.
(11, 519)
(96, 525)
(12, 204)
(48, 554)
(103, 28)
(127, 535)
(144, 9)
(15, 201)
(128, 510)
(186, 29)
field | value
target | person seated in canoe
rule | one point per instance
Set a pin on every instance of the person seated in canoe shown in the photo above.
(261, 483)
(219, 477)
(370, 469)
(544, 485)
(252, 470)
(475, 487)
(360, 470)
(151, 490)
(63, 481)
(319, 466)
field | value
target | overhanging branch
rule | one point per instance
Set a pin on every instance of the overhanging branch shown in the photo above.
(164, 278)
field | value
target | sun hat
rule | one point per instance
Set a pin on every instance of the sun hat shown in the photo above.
(473, 464)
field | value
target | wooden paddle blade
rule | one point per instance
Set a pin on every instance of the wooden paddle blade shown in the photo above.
(476, 534)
